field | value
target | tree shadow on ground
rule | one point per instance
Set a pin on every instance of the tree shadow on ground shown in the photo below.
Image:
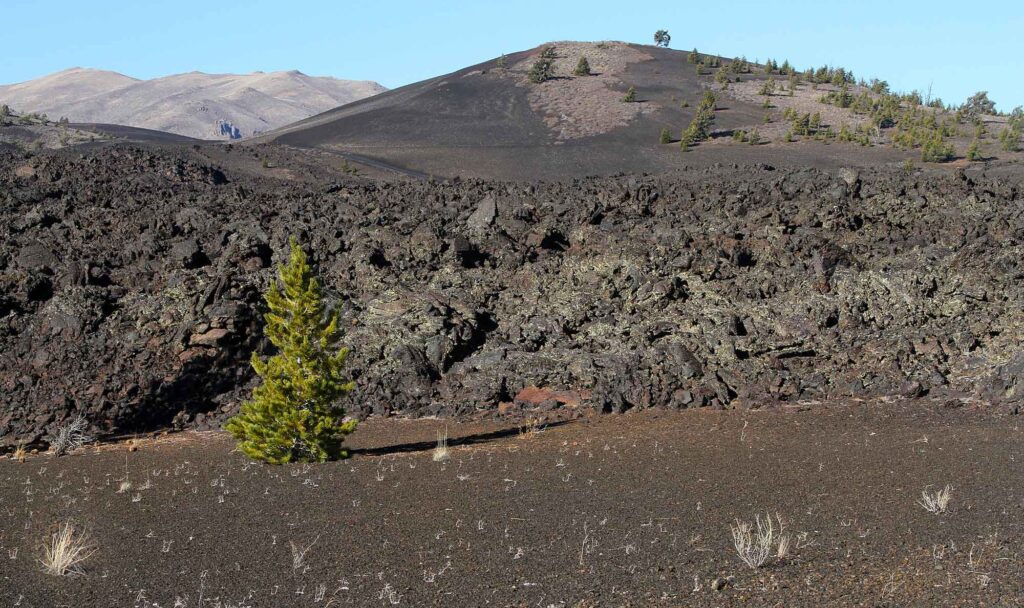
(426, 446)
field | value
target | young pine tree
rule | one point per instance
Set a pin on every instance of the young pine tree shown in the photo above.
(666, 136)
(974, 152)
(630, 95)
(582, 68)
(294, 413)
(542, 70)
(700, 126)
(815, 122)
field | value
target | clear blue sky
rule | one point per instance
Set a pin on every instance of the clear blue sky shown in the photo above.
(955, 47)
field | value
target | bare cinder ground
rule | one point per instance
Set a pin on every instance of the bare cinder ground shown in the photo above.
(628, 510)
(579, 106)
(804, 100)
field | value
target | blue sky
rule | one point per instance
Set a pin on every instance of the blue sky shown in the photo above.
(956, 48)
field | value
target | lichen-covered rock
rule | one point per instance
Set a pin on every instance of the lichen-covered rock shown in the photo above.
(130, 283)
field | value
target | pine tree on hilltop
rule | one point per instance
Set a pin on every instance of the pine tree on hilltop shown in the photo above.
(582, 67)
(630, 95)
(294, 413)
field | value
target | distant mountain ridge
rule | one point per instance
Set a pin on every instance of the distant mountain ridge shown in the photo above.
(196, 104)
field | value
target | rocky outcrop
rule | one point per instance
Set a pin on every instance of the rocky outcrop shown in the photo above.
(130, 283)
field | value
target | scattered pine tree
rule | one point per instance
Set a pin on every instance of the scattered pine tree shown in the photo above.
(700, 126)
(974, 151)
(666, 136)
(630, 95)
(541, 71)
(582, 67)
(937, 150)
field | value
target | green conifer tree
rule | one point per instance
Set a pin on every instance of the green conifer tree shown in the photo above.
(630, 95)
(582, 67)
(700, 126)
(815, 121)
(973, 152)
(687, 138)
(541, 71)
(294, 414)
(666, 136)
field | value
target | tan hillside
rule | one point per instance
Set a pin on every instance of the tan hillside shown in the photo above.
(204, 106)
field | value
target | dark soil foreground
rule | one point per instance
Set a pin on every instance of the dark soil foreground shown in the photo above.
(617, 510)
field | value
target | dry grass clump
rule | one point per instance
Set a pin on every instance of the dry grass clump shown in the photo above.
(756, 548)
(65, 550)
(441, 451)
(70, 436)
(936, 501)
(530, 429)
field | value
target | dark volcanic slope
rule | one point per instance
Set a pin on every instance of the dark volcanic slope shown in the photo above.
(130, 283)
(486, 121)
(136, 134)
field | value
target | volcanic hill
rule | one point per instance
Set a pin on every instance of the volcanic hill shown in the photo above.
(490, 121)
